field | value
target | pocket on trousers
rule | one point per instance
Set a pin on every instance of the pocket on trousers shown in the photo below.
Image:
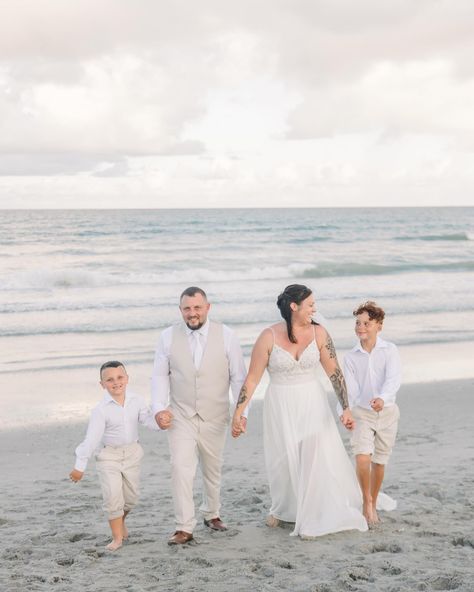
(99, 455)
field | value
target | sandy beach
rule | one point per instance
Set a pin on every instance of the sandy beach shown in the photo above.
(53, 532)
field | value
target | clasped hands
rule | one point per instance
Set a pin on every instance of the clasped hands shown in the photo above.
(239, 425)
(347, 420)
(163, 419)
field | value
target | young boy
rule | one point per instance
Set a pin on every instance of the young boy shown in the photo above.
(372, 373)
(114, 425)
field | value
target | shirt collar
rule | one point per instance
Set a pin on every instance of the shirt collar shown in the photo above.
(379, 344)
(204, 330)
(109, 399)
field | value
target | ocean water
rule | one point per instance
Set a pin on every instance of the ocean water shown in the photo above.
(81, 286)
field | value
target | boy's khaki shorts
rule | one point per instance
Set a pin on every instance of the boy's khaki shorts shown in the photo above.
(375, 432)
(119, 475)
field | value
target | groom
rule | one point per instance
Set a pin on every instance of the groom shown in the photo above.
(195, 364)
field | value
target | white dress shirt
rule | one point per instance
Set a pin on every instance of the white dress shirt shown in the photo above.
(111, 424)
(372, 375)
(160, 382)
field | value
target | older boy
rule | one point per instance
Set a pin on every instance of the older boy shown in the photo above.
(372, 372)
(114, 425)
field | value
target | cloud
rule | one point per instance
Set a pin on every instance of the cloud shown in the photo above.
(53, 164)
(392, 99)
(226, 101)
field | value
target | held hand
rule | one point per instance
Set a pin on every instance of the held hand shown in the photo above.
(239, 425)
(377, 404)
(163, 419)
(347, 420)
(76, 475)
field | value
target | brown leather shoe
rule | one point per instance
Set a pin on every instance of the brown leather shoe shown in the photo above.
(180, 537)
(215, 524)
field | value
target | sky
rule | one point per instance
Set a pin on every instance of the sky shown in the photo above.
(226, 103)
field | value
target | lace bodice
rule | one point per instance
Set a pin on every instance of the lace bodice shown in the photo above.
(285, 369)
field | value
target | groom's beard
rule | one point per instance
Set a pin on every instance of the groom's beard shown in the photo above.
(194, 327)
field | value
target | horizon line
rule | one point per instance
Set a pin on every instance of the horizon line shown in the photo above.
(179, 208)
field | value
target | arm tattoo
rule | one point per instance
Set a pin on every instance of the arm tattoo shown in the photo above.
(242, 396)
(339, 386)
(330, 347)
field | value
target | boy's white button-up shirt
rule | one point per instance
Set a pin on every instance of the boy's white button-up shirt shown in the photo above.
(111, 424)
(372, 375)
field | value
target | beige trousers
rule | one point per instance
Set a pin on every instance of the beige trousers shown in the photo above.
(119, 476)
(194, 441)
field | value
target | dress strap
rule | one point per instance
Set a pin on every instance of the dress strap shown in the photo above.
(273, 344)
(315, 340)
(273, 333)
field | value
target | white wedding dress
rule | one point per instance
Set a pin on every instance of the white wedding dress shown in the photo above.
(312, 481)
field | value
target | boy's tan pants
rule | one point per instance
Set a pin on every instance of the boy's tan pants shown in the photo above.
(119, 476)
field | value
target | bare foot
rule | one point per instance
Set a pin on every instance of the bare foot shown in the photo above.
(375, 516)
(114, 545)
(124, 531)
(368, 513)
(271, 521)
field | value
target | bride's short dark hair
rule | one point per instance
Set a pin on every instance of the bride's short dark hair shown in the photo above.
(293, 293)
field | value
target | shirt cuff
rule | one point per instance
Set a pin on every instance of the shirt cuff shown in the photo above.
(156, 409)
(387, 398)
(81, 464)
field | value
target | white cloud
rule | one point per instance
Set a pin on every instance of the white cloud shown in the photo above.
(392, 99)
(147, 103)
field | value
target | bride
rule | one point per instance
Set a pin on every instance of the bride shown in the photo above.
(312, 481)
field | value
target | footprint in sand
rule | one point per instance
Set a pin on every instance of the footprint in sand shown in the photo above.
(463, 542)
(200, 561)
(78, 537)
(22, 554)
(65, 561)
(445, 582)
(387, 548)
(322, 587)
(354, 575)
(36, 578)
(391, 570)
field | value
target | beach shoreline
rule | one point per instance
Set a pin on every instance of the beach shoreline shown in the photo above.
(40, 393)
(54, 532)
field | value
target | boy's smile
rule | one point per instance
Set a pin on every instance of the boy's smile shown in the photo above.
(367, 329)
(114, 381)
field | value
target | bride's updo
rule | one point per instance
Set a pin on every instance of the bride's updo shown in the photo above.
(293, 293)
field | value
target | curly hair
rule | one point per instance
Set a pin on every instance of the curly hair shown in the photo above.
(371, 308)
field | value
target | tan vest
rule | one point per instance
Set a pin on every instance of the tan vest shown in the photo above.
(204, 391)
